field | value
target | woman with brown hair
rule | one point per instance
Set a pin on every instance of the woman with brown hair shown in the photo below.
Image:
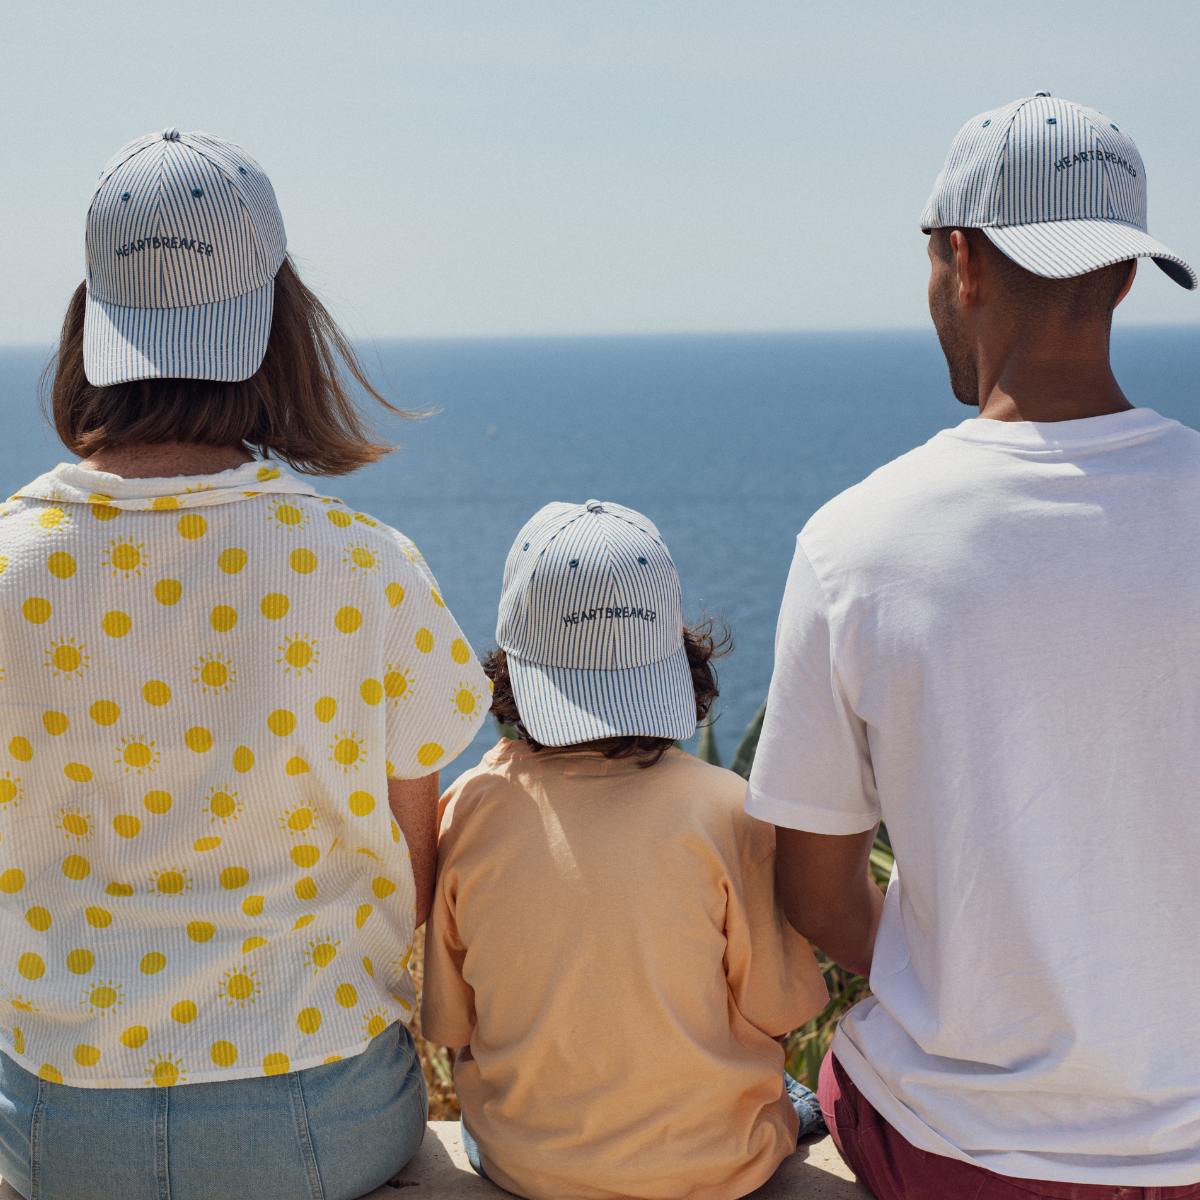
(225, 700)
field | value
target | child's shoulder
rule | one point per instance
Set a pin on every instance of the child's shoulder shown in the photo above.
(713, 793)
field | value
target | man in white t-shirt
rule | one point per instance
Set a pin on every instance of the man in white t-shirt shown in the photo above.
(993, 646)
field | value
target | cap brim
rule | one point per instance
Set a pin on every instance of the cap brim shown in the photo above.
(225, 340)
(563, 706)
(1064, 249)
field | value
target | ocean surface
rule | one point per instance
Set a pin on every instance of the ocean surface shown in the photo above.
(729, 443)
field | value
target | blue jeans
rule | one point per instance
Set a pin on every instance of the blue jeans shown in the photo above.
(332, 1132)
(804, 1101)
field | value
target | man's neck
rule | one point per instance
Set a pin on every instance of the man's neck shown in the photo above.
(1061, 375)
(165, 459)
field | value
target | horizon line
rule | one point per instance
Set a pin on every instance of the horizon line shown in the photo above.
(644, 334)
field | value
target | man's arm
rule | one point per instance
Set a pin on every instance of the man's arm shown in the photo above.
(414, 804)
(827, 892)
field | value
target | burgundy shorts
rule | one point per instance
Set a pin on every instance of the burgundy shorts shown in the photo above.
(894, 1169)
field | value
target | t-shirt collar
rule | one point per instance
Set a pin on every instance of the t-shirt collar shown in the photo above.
(71, 483)
(1086, 433)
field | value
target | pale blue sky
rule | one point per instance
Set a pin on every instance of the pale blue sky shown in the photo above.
(594, 166)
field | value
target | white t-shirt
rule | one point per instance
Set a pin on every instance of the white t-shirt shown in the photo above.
(205, 684)
(993, 644)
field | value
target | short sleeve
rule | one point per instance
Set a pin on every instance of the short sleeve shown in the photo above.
(813, 767)
(436, 689)
(771, 971)
(448, 1001)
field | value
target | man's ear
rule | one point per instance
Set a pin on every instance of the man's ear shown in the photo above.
(967, 266)
(1128, 283)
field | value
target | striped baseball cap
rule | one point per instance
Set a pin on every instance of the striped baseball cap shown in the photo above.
(184, 239)
(1057, 187)
(591, 623)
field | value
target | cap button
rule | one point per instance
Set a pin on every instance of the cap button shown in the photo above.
(1041, 93)
(171, 135)
(594, 506)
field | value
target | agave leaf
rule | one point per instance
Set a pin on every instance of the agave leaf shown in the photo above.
(707, 750)
(743, 760)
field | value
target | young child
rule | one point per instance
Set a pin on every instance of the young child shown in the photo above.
(605, 943)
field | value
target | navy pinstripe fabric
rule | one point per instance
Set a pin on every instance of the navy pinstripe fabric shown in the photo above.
(591, 618)
(184, 239)
(1058, 187)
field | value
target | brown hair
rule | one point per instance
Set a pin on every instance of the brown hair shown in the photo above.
(703, 643)
(295, 407)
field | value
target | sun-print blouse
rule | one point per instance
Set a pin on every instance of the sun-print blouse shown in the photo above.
(205, 684)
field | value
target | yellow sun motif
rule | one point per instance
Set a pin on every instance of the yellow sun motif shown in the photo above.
(165, 1072)
(223, 806)
(240, 987)
(103, 996)
(465, 702)
(298, 654)
(346, 750)
(21, 1003)
(74, 823)
(53, 517)
(286, 515)
(397, 683)
(298, 819)
(10, 791)
(125, 557)
(68, 659)
(171, 881)
(214, 675)
(137, 754)
(375, 1023)
(361, 558)
(320, 954)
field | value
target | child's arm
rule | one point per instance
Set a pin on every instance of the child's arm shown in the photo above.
(414, 804)
(773, 976)
(448, 1001)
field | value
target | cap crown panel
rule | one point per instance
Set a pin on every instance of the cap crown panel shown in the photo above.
(169, 228)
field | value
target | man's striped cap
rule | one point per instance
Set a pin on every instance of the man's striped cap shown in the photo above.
(184, 239)
(591, 623)
(1057, 187)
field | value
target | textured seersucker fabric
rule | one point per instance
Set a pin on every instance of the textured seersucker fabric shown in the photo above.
(206, 683)
(1057, 186)
(184, 239)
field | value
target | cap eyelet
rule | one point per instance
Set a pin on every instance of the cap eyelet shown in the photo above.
(525, 547)
(124, 195)
(986, 123)
(197, 192)
(1112, 126)
(1051, 120)
(641, 560)
(241, 170)
(573, 563)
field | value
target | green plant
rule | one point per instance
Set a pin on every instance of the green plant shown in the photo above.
(808, 1045)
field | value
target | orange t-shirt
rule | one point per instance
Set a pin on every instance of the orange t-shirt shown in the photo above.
(605, 939)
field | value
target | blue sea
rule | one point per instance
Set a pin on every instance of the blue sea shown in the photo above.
(728, 443)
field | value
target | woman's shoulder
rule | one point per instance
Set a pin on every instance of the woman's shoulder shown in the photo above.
(367, 542)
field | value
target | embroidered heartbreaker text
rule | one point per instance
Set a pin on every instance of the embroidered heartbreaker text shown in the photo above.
(164, 243)
(609, 614)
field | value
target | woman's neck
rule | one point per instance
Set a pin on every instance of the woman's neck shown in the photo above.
(163, 459)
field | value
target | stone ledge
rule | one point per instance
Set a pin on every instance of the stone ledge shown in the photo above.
(440, 1169)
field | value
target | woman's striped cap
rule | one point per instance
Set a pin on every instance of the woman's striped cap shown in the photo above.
(1057, 187)
(184, 239)
(591, 622)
